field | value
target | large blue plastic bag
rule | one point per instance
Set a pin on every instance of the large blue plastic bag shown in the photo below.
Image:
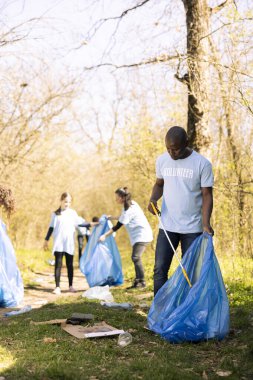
(11, 284)
(180, 313)
(101, 262)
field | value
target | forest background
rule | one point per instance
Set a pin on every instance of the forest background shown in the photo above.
(89, 89)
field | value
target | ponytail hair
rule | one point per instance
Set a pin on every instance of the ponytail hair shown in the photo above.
(63, 196)
(123, 193)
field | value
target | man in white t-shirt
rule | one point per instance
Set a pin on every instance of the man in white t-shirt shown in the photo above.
(185, 181)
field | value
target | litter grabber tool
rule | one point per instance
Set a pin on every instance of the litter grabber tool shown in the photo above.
(157, 212)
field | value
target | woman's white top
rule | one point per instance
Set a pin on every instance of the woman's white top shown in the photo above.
(64, 226)
(136, 224)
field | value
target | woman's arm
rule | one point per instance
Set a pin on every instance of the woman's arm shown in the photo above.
(111, 231)
(110, 217)
(49, 233)
(104, 236)
(88, 224)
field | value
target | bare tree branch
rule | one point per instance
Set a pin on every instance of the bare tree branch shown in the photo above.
(102, 21)
(226, 24)
(159, 59)
(220, 7)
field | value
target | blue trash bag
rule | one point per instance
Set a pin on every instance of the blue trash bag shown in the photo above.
(183, 314)
(101, 261)
(11, 284)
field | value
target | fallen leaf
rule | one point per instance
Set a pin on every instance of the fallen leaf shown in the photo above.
(49, 340)
(224, 373)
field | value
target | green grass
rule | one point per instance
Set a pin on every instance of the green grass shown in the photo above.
(31, 262)
(25, 355)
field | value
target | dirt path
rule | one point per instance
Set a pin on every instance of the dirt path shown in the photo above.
(40, 293)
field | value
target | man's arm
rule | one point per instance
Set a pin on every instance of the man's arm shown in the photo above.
(156, 194)
(207, 208)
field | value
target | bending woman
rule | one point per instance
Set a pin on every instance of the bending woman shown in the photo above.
(138, 228)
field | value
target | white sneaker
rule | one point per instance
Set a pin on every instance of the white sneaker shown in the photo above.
(57, 290)
(72, 290)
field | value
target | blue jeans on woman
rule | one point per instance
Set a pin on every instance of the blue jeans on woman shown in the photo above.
(164, 254)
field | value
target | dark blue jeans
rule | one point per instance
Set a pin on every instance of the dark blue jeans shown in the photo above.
(164, 254)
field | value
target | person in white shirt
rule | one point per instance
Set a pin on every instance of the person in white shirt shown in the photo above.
(63, 223)
(138, 228)
(185, 181)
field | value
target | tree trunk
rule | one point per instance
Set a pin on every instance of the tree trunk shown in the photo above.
(197, 79)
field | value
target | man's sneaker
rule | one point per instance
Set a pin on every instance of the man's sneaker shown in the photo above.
(141, 284)
(57, 290)
(72, 290)
(137, 284)
(133, 286)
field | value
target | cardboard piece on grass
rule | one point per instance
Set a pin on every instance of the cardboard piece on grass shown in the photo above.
(96, 331)
(78, 317)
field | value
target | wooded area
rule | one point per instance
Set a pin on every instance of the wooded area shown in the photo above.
(51, 142)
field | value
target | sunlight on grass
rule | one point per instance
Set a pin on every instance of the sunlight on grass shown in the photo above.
(32, 261)
(6, 359)
(237, 269)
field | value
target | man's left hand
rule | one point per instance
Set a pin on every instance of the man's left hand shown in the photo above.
(208, 229)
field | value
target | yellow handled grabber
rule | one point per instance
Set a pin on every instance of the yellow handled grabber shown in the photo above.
(156, 211)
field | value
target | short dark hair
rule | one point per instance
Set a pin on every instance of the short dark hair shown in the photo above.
(177, 133)
(95, 219)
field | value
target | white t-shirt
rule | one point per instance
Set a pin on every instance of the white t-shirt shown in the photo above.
(136, 224)
(64, 226)
(182, 197)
